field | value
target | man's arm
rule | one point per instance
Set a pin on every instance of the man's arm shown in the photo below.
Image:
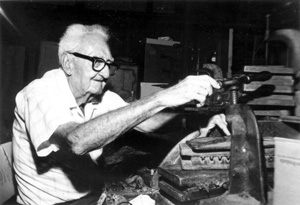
(157, 121)
(100, 131)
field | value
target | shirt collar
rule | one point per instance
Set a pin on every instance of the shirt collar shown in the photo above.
(65, 89)
(68, 95)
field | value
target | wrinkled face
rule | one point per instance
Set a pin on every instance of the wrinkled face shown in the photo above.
(84, 81)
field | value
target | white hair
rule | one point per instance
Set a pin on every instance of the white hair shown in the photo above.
(74, 35)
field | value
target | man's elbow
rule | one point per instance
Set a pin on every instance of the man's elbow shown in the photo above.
(78, 149)
(76, 145)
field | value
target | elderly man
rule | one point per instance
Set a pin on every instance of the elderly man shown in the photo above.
(67, 117)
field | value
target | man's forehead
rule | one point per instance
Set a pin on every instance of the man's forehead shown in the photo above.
(95, 39)
(96, 43)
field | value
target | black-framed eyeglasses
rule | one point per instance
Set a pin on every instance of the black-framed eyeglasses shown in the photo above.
(98, 64)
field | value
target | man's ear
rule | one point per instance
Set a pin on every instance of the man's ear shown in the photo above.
(66, 64)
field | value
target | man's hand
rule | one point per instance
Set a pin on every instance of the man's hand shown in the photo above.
(216, 120)
(191, 88)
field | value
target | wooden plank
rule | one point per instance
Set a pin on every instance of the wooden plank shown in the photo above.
(292, 119)
(276, 113)
(274, 100)
(272, 69)
(271, 102)
(277, 88)
(277, 97)
(280, 80)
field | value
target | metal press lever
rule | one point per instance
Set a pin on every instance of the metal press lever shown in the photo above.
(228, 94)
(246, 79)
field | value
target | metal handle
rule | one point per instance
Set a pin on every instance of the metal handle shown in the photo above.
(246, 79)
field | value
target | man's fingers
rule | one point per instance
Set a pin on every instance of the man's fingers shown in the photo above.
(220, 121)
(223, 117)
(203, 132)
(212, 82)
(223, 125)
(202, 91)
(200, 96)
(224, 128)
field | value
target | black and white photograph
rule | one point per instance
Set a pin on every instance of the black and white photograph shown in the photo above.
(149, 102)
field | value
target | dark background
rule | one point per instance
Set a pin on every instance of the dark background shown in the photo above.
(197, 25)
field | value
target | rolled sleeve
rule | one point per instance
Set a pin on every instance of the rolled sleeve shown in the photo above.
(45, 114)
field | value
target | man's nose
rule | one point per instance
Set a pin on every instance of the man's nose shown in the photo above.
(105, 72)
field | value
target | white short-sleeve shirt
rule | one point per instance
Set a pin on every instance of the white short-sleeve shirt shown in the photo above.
(41, 107)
